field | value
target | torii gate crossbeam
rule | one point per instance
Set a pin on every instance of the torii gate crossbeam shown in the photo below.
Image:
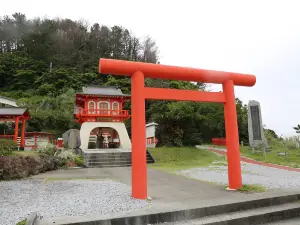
(139, 71)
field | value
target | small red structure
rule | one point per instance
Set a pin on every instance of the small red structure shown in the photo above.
(99, 110)
(139, 71)
(100, 104)
(32, 139)
(16, 115)
(60, 143)
(218, 141)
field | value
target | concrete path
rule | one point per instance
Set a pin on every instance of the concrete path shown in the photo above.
(223, 151)
(162, 186)
(169, 192)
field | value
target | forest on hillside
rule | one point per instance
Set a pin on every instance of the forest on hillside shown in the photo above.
(43, 62)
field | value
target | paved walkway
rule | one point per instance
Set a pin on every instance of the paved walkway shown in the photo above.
(162, 186)
(169, 192)
(222, 151)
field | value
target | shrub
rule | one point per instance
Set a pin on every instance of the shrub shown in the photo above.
(7, 146)
(79, 160)
(65, 156)
(23, 222)
(46, 148)
(291, 143)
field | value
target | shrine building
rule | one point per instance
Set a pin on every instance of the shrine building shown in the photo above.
(99, 110)
(14, 117)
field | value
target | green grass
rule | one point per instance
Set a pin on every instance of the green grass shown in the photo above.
(250, 188)
(24, 153)
(172, 159)
(292, 159)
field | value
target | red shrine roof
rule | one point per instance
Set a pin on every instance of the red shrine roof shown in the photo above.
(13, 112)
(96, 90)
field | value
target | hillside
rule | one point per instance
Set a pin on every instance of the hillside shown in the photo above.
(44, 61)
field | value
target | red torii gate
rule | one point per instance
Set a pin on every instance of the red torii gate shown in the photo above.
(139, 71)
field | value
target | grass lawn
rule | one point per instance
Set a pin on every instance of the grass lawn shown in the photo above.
(24, 153)
(172, 159)
(248, 188)
(292, 159)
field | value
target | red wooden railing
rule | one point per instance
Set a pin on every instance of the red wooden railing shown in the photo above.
(7, 136)
(103, 112)
(219, 141)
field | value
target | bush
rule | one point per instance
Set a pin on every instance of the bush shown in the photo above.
(65, 156)
(23, 222)
(46, 148)
(291, 143)
(79, 160)
(7, 146)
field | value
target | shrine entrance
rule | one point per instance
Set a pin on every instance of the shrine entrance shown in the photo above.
(139, 71)
(104, 138)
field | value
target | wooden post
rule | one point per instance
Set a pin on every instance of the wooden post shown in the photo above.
(35, 142)
(138, 132)
(23, 132)
(16, 129)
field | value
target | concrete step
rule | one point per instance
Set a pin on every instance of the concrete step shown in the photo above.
(112, 161)
(109, 159)
(294, 221)
(109, 166)
(256, 216)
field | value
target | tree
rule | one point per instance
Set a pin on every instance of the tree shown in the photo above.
(43, 62)
(297, 129)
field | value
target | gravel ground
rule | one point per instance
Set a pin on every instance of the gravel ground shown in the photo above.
(270, 178)
(63, 198)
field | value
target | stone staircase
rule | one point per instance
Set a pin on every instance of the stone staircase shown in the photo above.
(111, 159)
(269, 211)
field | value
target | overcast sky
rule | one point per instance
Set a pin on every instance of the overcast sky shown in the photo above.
(256, 37)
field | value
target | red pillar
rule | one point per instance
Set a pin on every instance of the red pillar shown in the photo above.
(23, 133)
(16, 129)
(138, 135)
(232, 137)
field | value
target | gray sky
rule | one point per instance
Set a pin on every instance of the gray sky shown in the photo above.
(257, 37)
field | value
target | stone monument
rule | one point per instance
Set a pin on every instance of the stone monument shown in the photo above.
(72, 139)
(255, 125)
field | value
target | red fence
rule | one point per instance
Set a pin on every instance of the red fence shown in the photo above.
(7, 136)
(219, 141)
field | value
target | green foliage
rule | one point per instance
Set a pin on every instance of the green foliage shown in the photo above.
(250, 188)
(6, 147)
(291, 143)
(297, 128)
(65, 156)
(43, 62)
(79, 160)
(45, 148)
(23, 222)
